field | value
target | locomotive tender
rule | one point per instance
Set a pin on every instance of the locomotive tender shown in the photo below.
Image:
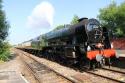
(85, 43)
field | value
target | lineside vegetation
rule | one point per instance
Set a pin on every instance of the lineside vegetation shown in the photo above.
(4, 27)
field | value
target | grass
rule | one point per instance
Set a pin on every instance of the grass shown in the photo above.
(1, 61)
(4, 51)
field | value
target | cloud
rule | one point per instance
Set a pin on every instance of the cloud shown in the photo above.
(41, 16)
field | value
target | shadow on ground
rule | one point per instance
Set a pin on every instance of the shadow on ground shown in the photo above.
(120, 63)
(12, 57)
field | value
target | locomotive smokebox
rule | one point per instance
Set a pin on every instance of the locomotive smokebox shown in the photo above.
(81, 19)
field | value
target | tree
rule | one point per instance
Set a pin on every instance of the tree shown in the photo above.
(74, 20)
(59, 27)
(113, 17)
(120, 19)
(4, 26)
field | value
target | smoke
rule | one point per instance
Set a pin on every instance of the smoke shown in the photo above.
(41, 16)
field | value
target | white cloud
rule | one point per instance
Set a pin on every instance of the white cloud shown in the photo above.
(42, 16)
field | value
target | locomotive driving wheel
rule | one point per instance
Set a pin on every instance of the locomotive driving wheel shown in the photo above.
(108, 62)
(100, 60)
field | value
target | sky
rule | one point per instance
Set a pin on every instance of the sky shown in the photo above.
(31, 18)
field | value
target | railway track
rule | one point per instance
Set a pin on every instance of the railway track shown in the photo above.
(113, 69)
(109, 74)
(113, 75)
(42, 73)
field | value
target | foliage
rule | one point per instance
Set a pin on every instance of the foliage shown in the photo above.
(113, 17)
(4, 51)
(59, 27)
(74, 20)
(4, 26)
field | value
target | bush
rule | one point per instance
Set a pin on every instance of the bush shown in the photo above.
(4, 27)
(4, 51)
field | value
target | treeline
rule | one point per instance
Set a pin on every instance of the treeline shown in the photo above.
(4, 27)
(74, 21)
(113, 17)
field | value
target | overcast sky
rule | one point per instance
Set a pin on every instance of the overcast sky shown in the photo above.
(30, 18)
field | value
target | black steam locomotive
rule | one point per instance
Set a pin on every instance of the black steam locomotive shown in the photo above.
(85, 43)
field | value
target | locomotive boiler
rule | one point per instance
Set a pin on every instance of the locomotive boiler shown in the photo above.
(85, 43)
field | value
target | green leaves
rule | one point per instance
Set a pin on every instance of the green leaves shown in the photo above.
(74, 20)
(59, 27)
(4, 51)
(113, 17)
(4, 27)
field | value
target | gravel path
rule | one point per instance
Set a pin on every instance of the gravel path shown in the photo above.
(10, 71)
(12, 65)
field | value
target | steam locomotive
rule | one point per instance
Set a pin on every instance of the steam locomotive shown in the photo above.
(85, 43)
